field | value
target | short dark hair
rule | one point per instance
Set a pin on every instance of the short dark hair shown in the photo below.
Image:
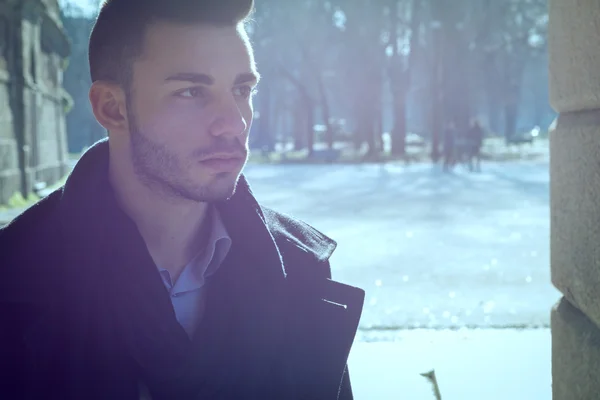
(117, 38)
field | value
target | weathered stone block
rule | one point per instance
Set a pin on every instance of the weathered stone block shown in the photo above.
(32, 119)
(575, 209)
(575, 354)
(574, 59)
(8, 155)
(10, 183)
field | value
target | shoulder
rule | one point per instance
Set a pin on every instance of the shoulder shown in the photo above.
(300, 244)
(29, 223)
(28, 245)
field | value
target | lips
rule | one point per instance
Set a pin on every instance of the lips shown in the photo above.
(223, 156)
(223, 163)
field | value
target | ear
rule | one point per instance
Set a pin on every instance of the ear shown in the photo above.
(109, 106)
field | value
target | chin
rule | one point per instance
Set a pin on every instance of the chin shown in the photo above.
(220, 189)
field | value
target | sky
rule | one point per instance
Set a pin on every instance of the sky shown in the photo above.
(87, 6)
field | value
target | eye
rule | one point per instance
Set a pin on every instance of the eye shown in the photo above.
(190, 93)
(244, 91)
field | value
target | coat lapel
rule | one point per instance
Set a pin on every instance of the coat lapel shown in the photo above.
(294, 316)
(323, 320)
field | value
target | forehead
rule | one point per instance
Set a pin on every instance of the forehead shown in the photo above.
(215, 50)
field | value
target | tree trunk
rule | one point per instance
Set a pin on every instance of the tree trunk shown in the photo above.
(366, 111)
(461, 92)
(310, 122)
(325, 111)
(361, 115)
(398, 83)
(379, 128)
(513, 76)
(510, 120)
(398, 136)
(436, 96)
(370, 132)
(493, 91)
(265, 139)
(304, 113)
(280, 122)
(299, 128)
(437, 125)
(400, 75)
(494, 112)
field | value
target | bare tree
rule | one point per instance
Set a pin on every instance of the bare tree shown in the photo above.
(402, 47)
(296, 39)
(512, 31)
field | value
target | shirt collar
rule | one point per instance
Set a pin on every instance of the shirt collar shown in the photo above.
(207, 261)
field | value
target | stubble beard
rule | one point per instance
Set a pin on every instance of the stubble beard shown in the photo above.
(164, 173)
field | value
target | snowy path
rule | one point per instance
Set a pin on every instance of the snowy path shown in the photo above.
(432, 250)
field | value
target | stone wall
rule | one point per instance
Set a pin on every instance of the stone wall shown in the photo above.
(9, 164)
(33, 141)
(574, 60)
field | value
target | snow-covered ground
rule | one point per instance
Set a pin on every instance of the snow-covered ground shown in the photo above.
(475, 364)
(432, 250)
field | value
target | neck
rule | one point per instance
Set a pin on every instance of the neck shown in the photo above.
(171, 228)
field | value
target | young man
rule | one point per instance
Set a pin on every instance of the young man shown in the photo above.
(154, 273)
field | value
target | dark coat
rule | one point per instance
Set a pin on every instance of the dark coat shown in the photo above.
(83, 313)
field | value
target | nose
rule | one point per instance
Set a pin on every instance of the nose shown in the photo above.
(228, 121)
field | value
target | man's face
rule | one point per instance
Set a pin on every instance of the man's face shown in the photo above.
(190, 110)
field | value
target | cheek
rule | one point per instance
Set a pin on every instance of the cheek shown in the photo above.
(179, 121)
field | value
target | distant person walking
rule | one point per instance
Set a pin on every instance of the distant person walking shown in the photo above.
(474, 143)
(449, 146)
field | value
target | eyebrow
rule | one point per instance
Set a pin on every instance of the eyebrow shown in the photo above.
(192, 77)
(208, 80)
(249, 77)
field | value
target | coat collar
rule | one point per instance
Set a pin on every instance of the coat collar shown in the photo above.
(88, 199)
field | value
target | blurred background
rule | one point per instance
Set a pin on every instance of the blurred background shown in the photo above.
(380, 77)
(371, 120)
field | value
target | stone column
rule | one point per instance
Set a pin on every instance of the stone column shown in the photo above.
(574, 57)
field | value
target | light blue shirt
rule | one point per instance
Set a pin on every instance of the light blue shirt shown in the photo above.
(187, 294)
